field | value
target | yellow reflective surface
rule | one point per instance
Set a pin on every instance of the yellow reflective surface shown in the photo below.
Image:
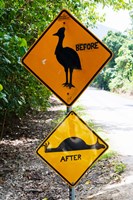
(49, 65)
(71, 148)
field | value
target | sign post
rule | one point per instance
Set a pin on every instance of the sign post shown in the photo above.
(71, 189)
(66, 58)
(71, 193)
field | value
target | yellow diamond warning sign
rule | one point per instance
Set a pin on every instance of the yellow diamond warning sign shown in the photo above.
(71, 148)
(66, 57)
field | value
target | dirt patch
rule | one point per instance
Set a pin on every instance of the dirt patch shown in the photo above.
(23, 176)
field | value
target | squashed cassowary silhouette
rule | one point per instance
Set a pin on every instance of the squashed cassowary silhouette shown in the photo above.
(67, 57)
(73, 144)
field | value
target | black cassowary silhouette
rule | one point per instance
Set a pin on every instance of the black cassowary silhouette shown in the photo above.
(67, 57)
(73, 144)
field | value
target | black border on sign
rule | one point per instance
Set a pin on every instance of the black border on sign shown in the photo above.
(71, 184)
(111, 54)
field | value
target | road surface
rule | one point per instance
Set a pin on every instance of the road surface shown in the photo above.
(114, 113)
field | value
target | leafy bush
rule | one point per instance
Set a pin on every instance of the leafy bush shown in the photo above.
(118, 73)
(21, 90)
(116, 83)
(128, 87)
(123, 80)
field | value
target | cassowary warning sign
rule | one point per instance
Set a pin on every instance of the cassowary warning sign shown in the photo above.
(71, 148)
(66, 57)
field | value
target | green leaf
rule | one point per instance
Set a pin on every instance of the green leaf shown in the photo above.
(7, 37)
(22, 50)
(3, 96)
(22, 42)
(7, 60)
(1, 87)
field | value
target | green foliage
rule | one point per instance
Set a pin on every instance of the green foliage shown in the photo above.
(124, 61)
(21, 90)
(113, 41)
(108, 154)
(2, 96)
(119, 167)
(1, 87)
(118, 74)
(130, 30)
(123, 80)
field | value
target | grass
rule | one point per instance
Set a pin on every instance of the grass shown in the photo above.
(108, 154)
(79, 109)
(119, 167)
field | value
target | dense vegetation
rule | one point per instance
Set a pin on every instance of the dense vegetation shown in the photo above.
(21, 23)
(118, 74)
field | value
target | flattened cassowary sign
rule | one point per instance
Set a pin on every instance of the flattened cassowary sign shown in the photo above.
(66, 57)
(71, 148)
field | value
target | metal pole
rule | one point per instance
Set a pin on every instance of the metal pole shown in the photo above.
(68, 109)
(71, 193)
(71, 189)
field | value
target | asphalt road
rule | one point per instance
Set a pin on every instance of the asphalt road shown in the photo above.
(114, 113)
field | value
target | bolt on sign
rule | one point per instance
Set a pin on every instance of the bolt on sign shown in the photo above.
(71, 148)
(66, 57)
